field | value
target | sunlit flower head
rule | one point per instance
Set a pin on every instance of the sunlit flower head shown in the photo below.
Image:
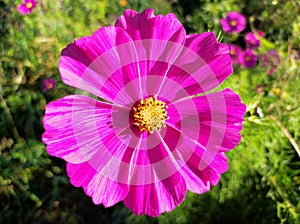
(235, 52)
(27, 6)
(270, 60)
(49, 84)
(151, 138)
(234, 22)
(252, 42)
(248, 58)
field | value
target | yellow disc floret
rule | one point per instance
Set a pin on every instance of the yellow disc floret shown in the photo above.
(29, 5)
(150, 114)
(233, 23)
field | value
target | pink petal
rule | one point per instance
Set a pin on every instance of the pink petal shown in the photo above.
(80, 174)
(214, 120)
(202, 65)
(131, 18)
(148, 26)
(77, 127)
(225, 25)
(153, 152)
(90, 62)
(199, 167)
(105, 191)
(185, 158)
(193, 161)
(149, 151)
(101, 189)
(23, 9)
(156, 198)
(219, 164)
(199, 180)
(158, 39)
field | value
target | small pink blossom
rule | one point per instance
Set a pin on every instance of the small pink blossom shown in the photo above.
(235, 52)
(270, 60)
(252, 42)
(27, 6)
(248, 58)
(234, 22)
(260, 33)
(160, 130)
(49, 84)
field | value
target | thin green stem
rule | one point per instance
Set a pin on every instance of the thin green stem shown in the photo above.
(287, 134)
(290, 206)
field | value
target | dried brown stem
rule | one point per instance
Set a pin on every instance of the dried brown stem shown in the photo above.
(287, 134)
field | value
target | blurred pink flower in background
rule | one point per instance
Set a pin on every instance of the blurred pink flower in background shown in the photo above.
(248, 58)
(234, 22)
(260, 33)
(235, 52)
(252, 42)
(270, 60)
(153, 138)
(27, 6)
(49, 84)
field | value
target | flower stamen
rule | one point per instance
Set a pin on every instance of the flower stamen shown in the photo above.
(150, 114)
(28, 5)
(233, 23)
(248, 58)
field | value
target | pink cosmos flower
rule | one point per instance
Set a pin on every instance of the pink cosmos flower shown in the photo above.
(235, 52)
(270, 60)
(27, 6)
(49, 84)
(152, 138)
(252, 42)
(248, 58)
(234, 22)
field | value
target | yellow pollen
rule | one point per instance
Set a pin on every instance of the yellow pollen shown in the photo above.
(233, 23)
(49, 85)
(28, 5)
(248, 58)
(150, 114)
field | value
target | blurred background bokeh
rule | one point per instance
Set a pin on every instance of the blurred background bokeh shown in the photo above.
(262, 184)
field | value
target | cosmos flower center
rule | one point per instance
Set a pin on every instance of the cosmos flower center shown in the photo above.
(49, 85)
(248, 58)
(150, 114)
(233, 23)
(29, 5)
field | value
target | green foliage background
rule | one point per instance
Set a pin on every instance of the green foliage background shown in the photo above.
(262, 184)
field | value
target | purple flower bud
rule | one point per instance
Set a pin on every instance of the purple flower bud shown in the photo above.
(252, 42)
(49, 84)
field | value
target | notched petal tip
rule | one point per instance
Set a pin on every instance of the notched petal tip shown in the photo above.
(157, 198)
